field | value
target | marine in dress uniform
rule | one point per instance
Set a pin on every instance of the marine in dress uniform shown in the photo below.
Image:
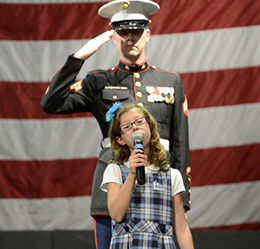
(161, 92)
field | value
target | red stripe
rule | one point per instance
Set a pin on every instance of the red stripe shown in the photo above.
(245, 227)
(80, 20)
(22, 101)
(95, 231)
(51, 21)
(40, 179)
(62, 178)
(187, 16)
(203, 89)
(223, 87)
(225, 165)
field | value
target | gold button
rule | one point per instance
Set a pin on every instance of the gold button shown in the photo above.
(138, 84)
(143, 66)
(189, 191)
(113, 68)
(189, 202)
(114, 97)
(127, 67)
(189, 179)
(139, 94)
(137, 75)
(141, 104)
(125, 5)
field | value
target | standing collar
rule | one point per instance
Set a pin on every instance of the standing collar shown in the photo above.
(132, 67)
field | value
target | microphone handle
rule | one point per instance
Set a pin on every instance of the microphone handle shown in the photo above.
(140, 175)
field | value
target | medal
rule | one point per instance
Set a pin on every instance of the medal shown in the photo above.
(150, 98)
(150, 91)
(171, 89)
(155, 97)
(171, 99)
(160, 98)
(166, 99)
(160, 92)
(165, 92)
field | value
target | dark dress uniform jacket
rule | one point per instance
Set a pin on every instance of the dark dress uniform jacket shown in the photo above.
(100, 89)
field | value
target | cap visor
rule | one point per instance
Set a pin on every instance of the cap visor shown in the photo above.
(129, 25)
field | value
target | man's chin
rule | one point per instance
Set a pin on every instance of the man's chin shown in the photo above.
(132, 54)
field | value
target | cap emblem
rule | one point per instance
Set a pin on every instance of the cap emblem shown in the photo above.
(125, 5)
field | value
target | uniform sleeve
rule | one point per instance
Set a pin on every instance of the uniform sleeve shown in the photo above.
(64, 95)
(177, 182)
(180, 138)
(111, 174)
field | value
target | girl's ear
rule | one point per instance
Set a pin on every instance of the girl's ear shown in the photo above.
(120, 140)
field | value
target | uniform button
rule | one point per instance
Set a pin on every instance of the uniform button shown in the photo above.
(113, 68)
(143, 66)
(137, 75)
(141, 104)
(189, 202)
(114, 97)
(139, 94)
(189, 191)
(189, 179)
(138, 84)
(127, 67)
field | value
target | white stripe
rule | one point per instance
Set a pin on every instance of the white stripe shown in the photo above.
(46, 214)
(227, 204)
(224, 126)
(49, 139)
(184, 52)
(81, 137)
(219, 205)
(206, 50)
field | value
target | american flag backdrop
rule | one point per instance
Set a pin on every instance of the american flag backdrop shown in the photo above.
(47, 161)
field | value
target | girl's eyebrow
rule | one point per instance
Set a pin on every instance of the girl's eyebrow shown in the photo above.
(141, 116)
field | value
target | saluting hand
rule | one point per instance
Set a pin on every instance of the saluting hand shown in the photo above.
(93, 45)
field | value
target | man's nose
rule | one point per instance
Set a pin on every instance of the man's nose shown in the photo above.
(129, 36)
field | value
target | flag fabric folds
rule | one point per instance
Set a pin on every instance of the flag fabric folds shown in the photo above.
(47, 162)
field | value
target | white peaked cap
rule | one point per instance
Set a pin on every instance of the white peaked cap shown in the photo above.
(119, 10)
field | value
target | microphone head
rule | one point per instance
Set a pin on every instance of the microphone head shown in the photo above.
(137, 138)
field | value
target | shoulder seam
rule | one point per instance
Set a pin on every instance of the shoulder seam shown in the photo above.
(163, 71)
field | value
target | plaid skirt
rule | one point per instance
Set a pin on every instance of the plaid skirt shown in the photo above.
(142, 235)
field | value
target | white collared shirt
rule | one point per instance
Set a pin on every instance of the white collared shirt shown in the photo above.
(113, 174)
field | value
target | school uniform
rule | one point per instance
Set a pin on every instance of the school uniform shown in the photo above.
(148, 222)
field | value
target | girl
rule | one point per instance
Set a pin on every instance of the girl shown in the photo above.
(143, 216)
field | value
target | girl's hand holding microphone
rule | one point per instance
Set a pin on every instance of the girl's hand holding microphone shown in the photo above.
(137, 159)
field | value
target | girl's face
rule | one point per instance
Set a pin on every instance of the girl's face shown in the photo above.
(128, 118)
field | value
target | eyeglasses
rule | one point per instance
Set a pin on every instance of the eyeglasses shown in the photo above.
(138, 122)
(124, 32)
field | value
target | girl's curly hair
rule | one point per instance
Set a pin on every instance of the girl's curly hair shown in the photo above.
(157, 154)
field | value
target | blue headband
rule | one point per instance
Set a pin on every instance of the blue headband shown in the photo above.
(111, 112)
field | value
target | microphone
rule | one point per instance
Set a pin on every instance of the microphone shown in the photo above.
(138, 139)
